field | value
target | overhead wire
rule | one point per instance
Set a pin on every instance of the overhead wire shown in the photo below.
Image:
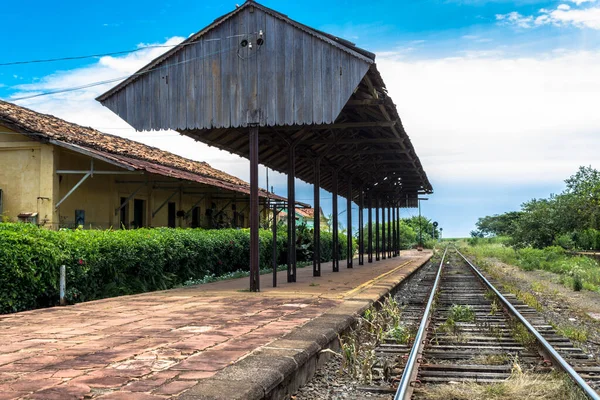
(111, 53)
(113, 80)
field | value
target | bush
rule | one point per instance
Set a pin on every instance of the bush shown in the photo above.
(111, 263)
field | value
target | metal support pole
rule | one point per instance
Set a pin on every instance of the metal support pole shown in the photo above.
(399, 236)
(275, 245)
(420, 227)
(291, 253)
(349, 253)
(377, 229)
(335, 245)
(370, 228)
(390, 223)
(317, 220)
(383, 234)
(395, 211)
(361, 229)
(254, 213)
(62, 285)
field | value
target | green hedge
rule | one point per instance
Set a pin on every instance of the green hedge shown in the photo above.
(111, 263)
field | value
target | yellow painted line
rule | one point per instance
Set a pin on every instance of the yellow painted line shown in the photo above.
(378, 278)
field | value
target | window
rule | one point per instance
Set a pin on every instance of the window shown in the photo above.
(195, 217)
(124, 215)
(171, 217)
(139, 212)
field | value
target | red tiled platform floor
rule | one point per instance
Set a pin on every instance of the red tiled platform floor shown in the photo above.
(157, 345)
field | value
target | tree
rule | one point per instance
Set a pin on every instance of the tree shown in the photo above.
(498, 225)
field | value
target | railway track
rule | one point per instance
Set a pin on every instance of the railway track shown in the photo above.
(470, 332)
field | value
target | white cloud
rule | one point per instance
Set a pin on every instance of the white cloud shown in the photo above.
(492, 119)
(562, 15)
(477, 117)
(580, 2)
(82, 108)
(515, 18)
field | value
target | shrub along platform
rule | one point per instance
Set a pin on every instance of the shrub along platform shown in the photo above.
(106, 263)
(211, 341)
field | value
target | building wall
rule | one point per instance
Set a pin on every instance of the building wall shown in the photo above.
(30, 183)
(27, 177)
(100, 196)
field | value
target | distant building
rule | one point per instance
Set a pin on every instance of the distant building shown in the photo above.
(58, 174)
(306, 216)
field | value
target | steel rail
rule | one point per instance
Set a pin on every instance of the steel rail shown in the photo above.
(556, 358)
(409, 368)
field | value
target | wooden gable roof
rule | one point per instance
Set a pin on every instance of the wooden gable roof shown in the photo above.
(303, 87)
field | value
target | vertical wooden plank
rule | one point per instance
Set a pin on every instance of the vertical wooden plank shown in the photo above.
(307, 103)
(232, 44)
(290, 67)
(281, 72)
(154, 86)
(199, 85)
(317, 70)
(262, 66)
(190, 83)
(215, 68)
(242, 52)
(182, 80)
(298, 76)
(252, 69)
(144, 110)
(163, 107)
(226, 68)
(124, 99)
(327, 85)
(335, 79)
(269, 60)
(171, 92)
(207, 84)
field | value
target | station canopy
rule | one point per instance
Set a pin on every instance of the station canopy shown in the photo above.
(308, 92)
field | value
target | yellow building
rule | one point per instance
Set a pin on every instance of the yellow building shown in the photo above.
(59, 174)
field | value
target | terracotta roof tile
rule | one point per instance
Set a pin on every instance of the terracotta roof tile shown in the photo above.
(134, 154)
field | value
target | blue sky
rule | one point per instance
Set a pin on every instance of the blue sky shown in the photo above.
(499, 97)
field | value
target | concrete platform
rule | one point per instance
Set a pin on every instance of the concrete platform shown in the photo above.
(214, 341)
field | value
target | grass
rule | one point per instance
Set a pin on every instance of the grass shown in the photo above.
(572, 332)
(518, 386)
(522, 335)
(358, 344)
(577, 272)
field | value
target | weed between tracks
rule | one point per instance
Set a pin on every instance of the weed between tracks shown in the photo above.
(374, 327)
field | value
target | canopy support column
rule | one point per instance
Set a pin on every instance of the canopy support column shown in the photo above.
(390, 223)
(335, 245)
(349, 253)
(377, 230)
(317, 220)
(291, 217)
(254, 213)
(395, 233)
(275, 266)
(370, 228)
(361, 230)
(399, 237)
(383, 234)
